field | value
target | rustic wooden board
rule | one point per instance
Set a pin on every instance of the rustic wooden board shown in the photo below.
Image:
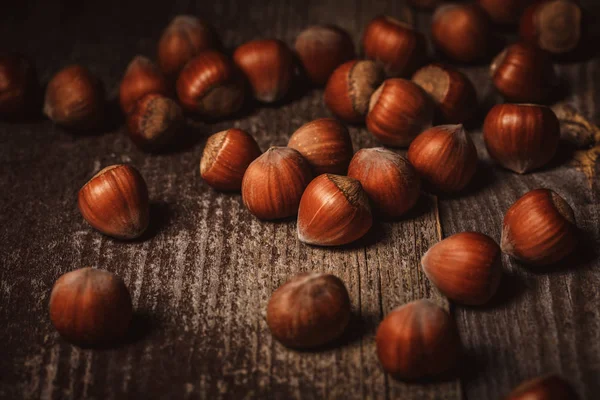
(201, 278)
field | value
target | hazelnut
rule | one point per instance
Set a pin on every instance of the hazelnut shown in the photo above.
(141, 78)
(390, 181)
(211, 86)
(269, 67)
(550, 387)
(398, 111)
(445, 157)
(465, 267)
(350, 87)
(183, 39)
(523, 73)
(322, 49)
(521, 137)
(226, 157)
(395, 45)
(504, 12)
(553, 25)
(273, 183)
(90, 307)
(539, 228)
(462, 32)
(18, 86)
(452, 92)
(154, 121)
(325, 143)
(426, 4)
(75, 98)
(417, 340)
(115, 202)
(334, 210)
(309, 310)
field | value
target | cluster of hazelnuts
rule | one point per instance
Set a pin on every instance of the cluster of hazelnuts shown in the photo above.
(334, 192)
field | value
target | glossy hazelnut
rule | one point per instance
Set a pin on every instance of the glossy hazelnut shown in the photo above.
(115, 202)
(391, 182)
(183, 39)
(142, 77)
(504, 12)
(325, 143)
(553, 25)
(426, 4)
(550, 387)
(226, 157)
(273, 183)
(154, 121)
(322, 49)
(452, 92)
(18, 86)
(350, 87)
(211, 86)
(309, 310)
(418, 340)
(395, 45)
(521, 137)
(523, 73)
(269, 67)
(539, 229)
(465, 267)
(462, 32)
(445, 157)
(399, 110)
(75, 98)
(334, 210)
(90, 307)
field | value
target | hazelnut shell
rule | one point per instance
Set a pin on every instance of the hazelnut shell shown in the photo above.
(142, 77)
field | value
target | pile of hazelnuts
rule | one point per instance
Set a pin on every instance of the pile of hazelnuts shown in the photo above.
(334, 192)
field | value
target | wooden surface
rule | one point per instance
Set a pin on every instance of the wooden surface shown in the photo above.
(201, 278)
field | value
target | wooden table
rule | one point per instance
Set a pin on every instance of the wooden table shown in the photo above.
(201, 278)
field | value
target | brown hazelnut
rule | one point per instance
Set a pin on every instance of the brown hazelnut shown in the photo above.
(418, 340)
(273, 183)
(115, 202)
(550, 387)
(334, 210)
(325, 143)
(539, 229)
(350, 87)
(226, 157)
(398, 111)
(462, 32)
(390, 181)
(521, 137)
(504, 12)
(154, 121)
(75, 98)
(269, 67)
(523, 73)
(395, 45)
(309, 310)
(465, 267)
(322, 49)
(90, 307)
(210, 86)
(553, 25)
(141, 78)
(19, 86)
(452, 92)
(183, 39)
(445, 157)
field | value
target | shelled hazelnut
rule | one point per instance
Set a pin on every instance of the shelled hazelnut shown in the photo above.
(19, 86)
(550, 387)
(504, 12)
(154, 121)
(142, 77)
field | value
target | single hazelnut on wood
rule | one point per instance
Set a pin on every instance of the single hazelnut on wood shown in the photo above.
(90, 307)
(391, 182)
(19, 86)
(115, 202)
(325, 143)
(154, 121)
(539, 229)
(550, 387)
(322, 49)
(350, 87)
(141, 78)
(418, 340)
(226, 157)
(273, 183)
(334, 210)
(504, 12)
(309, 310)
